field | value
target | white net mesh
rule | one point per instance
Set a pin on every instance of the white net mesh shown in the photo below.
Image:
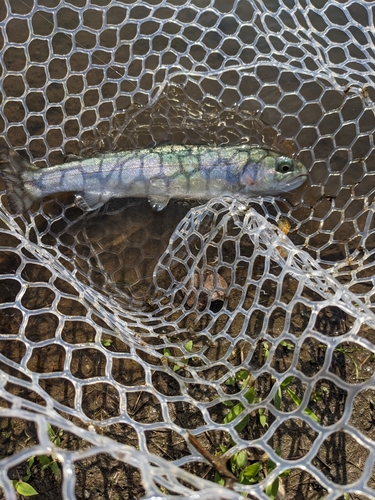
(238, 357)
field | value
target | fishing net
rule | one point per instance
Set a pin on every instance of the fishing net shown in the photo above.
(212, 351)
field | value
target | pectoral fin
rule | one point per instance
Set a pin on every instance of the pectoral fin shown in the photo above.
(157, 196)
(158, 202)
(90, 201)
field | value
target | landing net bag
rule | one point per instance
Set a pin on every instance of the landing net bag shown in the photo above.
(217, 351)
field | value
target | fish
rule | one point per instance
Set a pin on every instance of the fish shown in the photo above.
(161, 173)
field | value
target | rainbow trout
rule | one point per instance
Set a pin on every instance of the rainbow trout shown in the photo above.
(159, 174)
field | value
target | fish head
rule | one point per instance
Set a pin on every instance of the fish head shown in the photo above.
(268, 173)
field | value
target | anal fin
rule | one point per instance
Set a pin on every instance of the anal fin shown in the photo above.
(158, 202)
(90, 201)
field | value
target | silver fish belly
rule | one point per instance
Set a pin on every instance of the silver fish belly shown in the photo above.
(159, 174)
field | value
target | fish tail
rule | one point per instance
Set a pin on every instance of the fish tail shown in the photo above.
(13, 169)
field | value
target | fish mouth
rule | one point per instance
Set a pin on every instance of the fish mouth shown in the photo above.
(298, 179)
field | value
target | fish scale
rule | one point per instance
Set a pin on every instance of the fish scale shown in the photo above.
(159, 174)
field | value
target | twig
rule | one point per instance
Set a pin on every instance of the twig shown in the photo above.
(218, 463)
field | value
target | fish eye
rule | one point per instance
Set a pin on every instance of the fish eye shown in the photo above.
(284, 166)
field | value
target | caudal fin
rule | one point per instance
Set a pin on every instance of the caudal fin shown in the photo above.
(13, 169)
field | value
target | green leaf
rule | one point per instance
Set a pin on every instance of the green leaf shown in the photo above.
(223, 448)
(311, 414)
(240, 427)
(189, 346)
(218, 479)
(166, 352)
(252, 470)
(25, 489)
(230, 381)
(270, 465)
(241, 459)
(44, 460)
(294, 397)
(285, 473)
(262, 417)
(55, 468)
(272, 489)
(287, 345)
(228, 403)
(176, 368)
(297, 401)
(277, 399)
(50, 431)
(242, 375)
(233, 413)
(287, 382)
(250, 395)
(106, 342)
(247, 480)
(316, 396)
(30, 463)
(54, 436)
